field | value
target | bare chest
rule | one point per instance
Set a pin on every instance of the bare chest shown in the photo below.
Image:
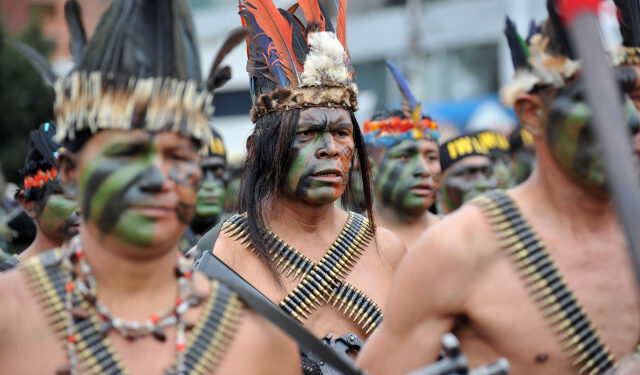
(323, 299)
(551, 301)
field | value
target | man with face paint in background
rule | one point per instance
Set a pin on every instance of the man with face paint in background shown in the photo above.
(213, 191)
(403, 145)
(539, 274)
(467, 170)
(326, 267)
(55, 215)
(120, 297)
(498, 146)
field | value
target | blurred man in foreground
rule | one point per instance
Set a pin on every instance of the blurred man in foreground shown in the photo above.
(539, 274)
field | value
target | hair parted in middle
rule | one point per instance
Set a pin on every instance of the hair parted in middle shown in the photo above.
(270, 156)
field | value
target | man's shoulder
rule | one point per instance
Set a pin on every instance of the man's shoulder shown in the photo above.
(464, 237)
(390, 246)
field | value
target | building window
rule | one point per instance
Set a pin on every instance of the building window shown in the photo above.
(232, 103)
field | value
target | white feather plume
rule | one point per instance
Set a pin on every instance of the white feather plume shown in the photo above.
(325, 64)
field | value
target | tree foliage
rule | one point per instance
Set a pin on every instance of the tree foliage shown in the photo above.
(25, 100)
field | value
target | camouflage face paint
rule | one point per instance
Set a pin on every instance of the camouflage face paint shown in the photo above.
(466, 179)
(409, 176)
(324, 150)
(213, 190)
(571, 139)
(124, 192)
(59, 219)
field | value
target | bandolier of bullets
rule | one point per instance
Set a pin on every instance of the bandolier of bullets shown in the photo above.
(545, 282)
(320, 282)
(206, 345)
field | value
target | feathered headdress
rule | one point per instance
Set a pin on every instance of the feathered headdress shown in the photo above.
(296, 63)
(389, 130)
(629, 20)
(40, 165)
(141, 69)
(544, 58)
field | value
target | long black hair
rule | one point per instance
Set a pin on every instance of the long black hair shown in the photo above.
(270, 156)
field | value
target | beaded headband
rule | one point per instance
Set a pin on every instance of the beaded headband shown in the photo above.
(40, 178)
(392, 130)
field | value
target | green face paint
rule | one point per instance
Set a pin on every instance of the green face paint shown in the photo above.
(571, 139)
(123, 191)
(409, 176)
(213, 191)
(324, 150)
(59, 219)
(466, 179)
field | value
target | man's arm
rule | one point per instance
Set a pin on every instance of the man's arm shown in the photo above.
(259, 347)
(428, 293)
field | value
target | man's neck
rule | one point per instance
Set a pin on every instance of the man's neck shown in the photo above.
(552, 190)
(396, 218)
(124, 273)
(39, 245)
(294, 216)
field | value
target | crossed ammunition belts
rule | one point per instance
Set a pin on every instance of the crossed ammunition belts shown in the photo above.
(321, 282)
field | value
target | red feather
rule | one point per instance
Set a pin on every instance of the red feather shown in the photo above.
(312, 12)
(244, 25)
(278, 29)
(341, 30)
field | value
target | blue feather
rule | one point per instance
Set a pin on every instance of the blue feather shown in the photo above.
(260, 49)
(403, 85)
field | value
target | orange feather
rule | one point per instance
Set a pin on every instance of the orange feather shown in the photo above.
(244, 25)
(312, 12)
(279, 31)
(341, 30)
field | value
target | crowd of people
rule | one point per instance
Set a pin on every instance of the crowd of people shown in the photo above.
(336, 247)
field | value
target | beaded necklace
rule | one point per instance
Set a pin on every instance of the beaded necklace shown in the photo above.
(154, 325)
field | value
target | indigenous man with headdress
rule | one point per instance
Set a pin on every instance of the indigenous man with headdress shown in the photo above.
(120, 298)
(403, 145)
(42, 199)
(539, 274)
(324, 266)
(467, 171)
(213, 191)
